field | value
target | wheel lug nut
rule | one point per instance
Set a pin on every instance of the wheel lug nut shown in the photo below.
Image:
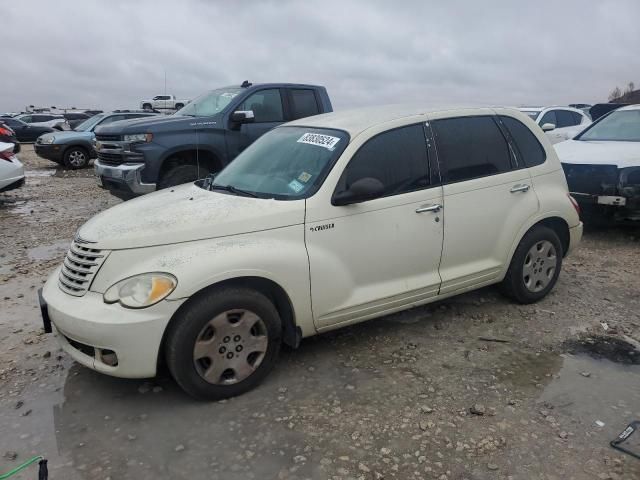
(222, 349)
(230, 355)
(239, 348)
(226, 339)
(237, 338)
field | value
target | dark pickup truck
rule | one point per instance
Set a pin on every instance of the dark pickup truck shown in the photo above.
(139, 156)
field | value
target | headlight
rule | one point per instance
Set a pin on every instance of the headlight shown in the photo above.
(141, 291)
(138, 137)
(49, 140)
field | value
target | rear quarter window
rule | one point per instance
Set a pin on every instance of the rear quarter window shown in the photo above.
(528, 148)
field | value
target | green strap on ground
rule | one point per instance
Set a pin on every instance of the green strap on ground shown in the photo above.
(20, 467)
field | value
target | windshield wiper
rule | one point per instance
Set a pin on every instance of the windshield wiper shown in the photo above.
(232, 189)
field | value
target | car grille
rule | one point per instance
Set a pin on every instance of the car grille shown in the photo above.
(591, 179)
(79, 267)
(108, 138)
(110, 158)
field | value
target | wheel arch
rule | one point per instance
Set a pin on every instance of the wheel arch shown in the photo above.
(190, 156)
(291, 332)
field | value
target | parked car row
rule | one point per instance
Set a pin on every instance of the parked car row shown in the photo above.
(322, 222)
(559, 123)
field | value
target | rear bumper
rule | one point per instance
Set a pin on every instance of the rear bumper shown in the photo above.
(14, 183)
(575, 237)
(125, 178)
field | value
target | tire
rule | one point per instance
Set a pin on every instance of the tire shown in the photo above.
(535, 266)
(75, 158)
(204, 340)
(178, 106)
(146, 106)
(181, 174)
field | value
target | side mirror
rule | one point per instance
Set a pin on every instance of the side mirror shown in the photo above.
(361, 190)
(243, 116)
(547, 127)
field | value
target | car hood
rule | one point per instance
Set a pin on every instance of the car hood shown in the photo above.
(186, 213)
(68, 135)
(159, 123)
(621, 154)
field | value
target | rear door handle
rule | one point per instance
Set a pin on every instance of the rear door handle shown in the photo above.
(520, 188)
(429, 208)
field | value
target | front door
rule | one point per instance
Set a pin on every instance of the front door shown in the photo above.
(380, 255)
(268, 113)
(487, 200)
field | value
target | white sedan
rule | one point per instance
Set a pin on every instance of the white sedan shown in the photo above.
(602, 166)
(11, 170)
(559, 123)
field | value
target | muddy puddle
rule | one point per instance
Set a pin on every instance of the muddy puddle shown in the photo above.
(48, 252)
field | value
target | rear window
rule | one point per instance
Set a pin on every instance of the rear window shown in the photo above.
(527, 145)
(470, 147)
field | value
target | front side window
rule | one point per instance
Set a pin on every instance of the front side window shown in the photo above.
(287, 163)
(528, 146)
(397, 158)
(26, 119)
(210, 103)
(303, 103)
(470, 147)
(618, 126)
(549, 117)
(266, 106)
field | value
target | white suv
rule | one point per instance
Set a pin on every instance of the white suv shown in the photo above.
(321, 223)
(559, 123)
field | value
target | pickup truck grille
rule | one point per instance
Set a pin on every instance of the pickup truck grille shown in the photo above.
(79, 267)
(108, 138)
(591, 179)
(110, 158)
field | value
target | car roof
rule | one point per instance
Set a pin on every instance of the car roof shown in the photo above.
(356, 121)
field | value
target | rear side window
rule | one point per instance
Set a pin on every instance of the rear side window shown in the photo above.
(577, 118)
(398, 158)
(527, 145)
(470, 147)
(303, 103)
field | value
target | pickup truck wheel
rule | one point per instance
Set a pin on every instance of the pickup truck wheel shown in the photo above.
(179, 106)
(76, 157)
(535, 266)
(146, 106)
(181, 174)
(223, 343)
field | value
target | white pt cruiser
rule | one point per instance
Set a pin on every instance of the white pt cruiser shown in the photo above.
(323, 222)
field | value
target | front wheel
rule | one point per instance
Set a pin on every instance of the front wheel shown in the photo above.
(535, 266)
(75, 158)
(181, 174)
(223, 343)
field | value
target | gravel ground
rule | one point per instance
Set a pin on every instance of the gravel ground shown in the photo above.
(474, 387)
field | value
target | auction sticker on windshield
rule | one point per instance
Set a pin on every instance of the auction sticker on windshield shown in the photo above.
(320, 140)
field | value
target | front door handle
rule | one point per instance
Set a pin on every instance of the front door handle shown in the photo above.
(429, 208)
(520, 188)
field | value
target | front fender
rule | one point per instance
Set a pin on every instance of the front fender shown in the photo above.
(278, 255)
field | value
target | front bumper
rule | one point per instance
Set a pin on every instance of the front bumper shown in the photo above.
(125, 178)
(50, 151)
(91, 331)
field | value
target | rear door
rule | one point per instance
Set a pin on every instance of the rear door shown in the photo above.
(379, 255)
(487, 200)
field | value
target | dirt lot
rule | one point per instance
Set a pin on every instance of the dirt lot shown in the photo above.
(470, 388)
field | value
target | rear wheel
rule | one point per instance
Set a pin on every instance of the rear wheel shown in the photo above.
(535, 266)
(223, 343)
(179, 106)
(76, 157)
(146, 106)
(180, 174)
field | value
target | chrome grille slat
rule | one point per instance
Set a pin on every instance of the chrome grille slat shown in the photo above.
(79, 267)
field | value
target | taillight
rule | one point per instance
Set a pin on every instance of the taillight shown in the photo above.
(4, 131)
(575, 204)
(7, 154)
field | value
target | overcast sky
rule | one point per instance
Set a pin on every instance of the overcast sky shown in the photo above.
(111, 54)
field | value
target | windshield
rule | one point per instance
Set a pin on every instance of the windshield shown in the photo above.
(89, 123)
(287, 163)
(618, 126)
(209, 103)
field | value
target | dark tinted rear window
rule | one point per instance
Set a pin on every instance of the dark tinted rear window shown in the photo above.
(528, 146)
(565, 119)
(470, 147)
(303, 103)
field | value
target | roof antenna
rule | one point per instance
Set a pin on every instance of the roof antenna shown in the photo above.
(246, 84)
